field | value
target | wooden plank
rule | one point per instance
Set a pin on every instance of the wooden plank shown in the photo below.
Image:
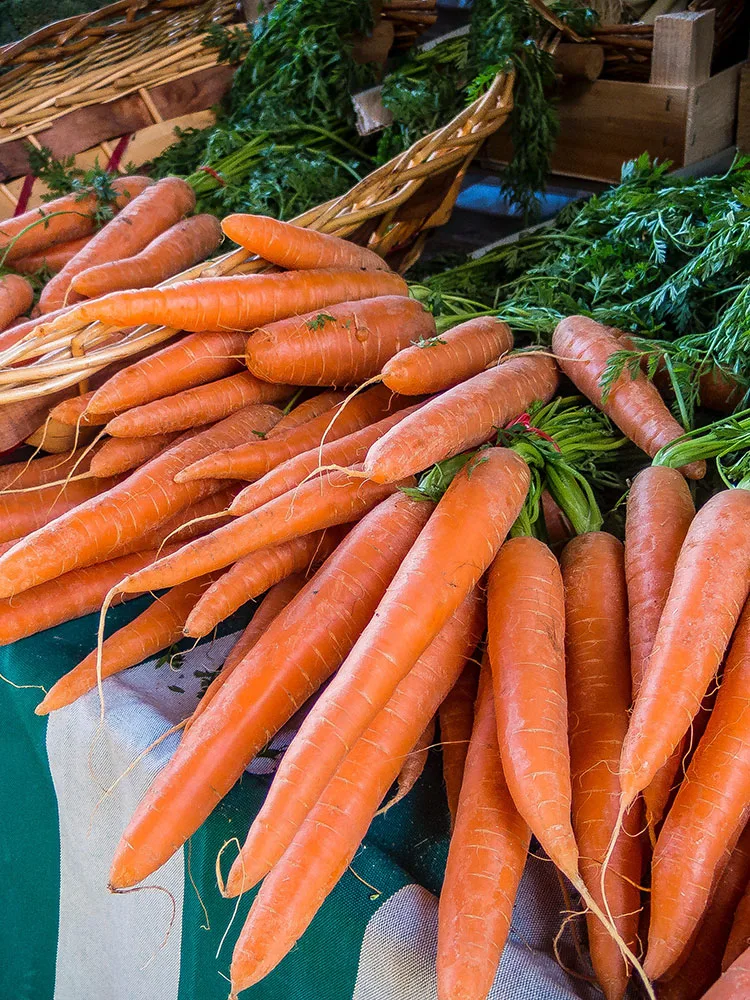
(743, 110)
(151, 141)
(683, 48)
(712, 115)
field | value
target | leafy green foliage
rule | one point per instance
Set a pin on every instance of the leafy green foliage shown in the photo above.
(64, 177)
(233, 43)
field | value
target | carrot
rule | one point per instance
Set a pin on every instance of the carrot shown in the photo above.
(335, 498)
(73, 412)
(660, 510)
(252, 460)
(191, 522)
(60, 220)
(456, 720)
(118, 455)
(57, 438)
(154, 629)
(191, 361)
(18, 331)
(486, 859)
(155, 209)
(526, 645)
(346, 451)
(583, 348)
(239, 302)
(308, 409)
(446, 360)
(709, 813)
(42, 471)
(412, 767)
(195, 407)
(328, 841)
(720, 391)
(254, 574)
(462, 418)
(598, 701)
(346, 344)
(70, 595)
(16, 296)
(145, 499)
(22, 513)
(447, 561)
(295, 248)
(52, 258)
(297, 653)
(735, 983)
(710, 586)
(174, 250)
(556, 524)
(739, 935)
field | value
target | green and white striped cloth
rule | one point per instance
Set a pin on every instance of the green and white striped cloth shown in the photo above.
(65, 937)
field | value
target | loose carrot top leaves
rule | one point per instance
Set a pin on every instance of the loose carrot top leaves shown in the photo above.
(727, 440)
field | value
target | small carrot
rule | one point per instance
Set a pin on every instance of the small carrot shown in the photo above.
(442, 362)
(308, 409)
(73, 412)
(118, 455)
(583, 348)
(45, 470)
(22, 513)
(445, 564)
(52, 258)
(462, 418)
(328, 841)
(191, 361)
(739, 935)
(558, 527)
(297, 653)
(486, 859)
(343, 345)
(174, 250)
(240, 302)
(735, 983)
(16, 296)
(413, 767)
(152, 211)
(295, 248)
(456, 721)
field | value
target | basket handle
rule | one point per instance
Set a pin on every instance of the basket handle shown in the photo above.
(554, 20)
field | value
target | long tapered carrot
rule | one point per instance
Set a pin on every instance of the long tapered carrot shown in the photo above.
(146, 498)
(443, 362)
(526, 645)
(296, 654)
(659, 513)
(346, 451)
(583, 348)
(176, 249)
(308, 409)
(456, 717)
(412, 767)
(330, 837)
(254, 574)
(710, 586)
(251, 461)
(53, 258)
(144, 218)
(462, 418)
(22, 513)
(598, 681)
(739, 935)
(486, 859)
(735, 983)
(241, 302)
(154, 629)
(707, 816)
(450, 556)
(45, 470)
(73, 412)
(191, 361)
(60, 220)
(295, 248)
(343, 345)
(16, 296)
(204, 404)
(118, 455)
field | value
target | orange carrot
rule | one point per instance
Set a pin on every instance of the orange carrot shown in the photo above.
(343, 345)
(583, 348)
(308, 410)
(558, 527)
(526, 645)
(145, 499)
(449, 359)
(42, 471)
(451, 554)
(254, 574)
(739, 935)
(412, 767)
(456, 721)
(251, 461)
(22, 513)
(60, 220)
(462, 418)
(711, 584)
(155, 209)
(486, 859)
(16, 296)
(118, 455)
(295, 248)
(707, 817)
(297, 653)
(174, 250)
(52, 258)
(328, 841)
(191, 361)
(735, 983)
(73, 412)
(720, 391)
(240, 302)
(154, 629)
(598, 701)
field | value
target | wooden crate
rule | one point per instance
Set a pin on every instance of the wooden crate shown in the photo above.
(682, 114)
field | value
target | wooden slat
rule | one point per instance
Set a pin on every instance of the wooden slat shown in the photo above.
(683, 47)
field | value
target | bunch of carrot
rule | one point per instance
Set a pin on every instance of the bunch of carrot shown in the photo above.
(231, 464)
